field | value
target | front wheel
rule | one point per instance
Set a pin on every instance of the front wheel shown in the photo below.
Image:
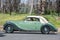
(9, 29)
(45, 30)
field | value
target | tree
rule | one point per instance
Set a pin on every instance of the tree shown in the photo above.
(16, 5)
(31, 6)
(0, 5)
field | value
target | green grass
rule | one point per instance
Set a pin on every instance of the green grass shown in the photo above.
(6, 17)
(53, 20)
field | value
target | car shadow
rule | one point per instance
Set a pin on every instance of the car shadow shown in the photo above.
(2, 35)
(24, 33)
(32, 33)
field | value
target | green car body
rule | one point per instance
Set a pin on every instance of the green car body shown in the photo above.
(30, 25)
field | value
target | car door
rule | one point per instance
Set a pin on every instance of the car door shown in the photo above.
(34, 24)
(29, 25)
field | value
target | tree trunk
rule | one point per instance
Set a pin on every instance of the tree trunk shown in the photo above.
(31, 7)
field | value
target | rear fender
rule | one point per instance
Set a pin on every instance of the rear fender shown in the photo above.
(51, 27)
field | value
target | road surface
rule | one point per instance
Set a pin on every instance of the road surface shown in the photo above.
(28, 36)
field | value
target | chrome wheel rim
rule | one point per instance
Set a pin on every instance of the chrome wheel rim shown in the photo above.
(8, 29)
(45, 30)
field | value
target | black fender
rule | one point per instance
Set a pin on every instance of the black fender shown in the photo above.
(8, 23)
(51, 28)
(13, 25)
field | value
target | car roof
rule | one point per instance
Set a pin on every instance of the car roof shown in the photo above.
(36, 16)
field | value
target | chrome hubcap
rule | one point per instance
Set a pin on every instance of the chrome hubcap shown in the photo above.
(46, 30)
(8, 29)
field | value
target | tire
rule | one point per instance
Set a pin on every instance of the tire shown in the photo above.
(45, 30)
(9, 29)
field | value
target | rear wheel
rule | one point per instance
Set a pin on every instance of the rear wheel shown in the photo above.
(9, 29)
(45, 30)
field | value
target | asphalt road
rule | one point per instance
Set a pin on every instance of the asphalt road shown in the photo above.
(28, 36)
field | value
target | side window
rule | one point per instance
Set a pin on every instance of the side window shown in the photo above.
(32, 19)
(28, 19)
(36, 19)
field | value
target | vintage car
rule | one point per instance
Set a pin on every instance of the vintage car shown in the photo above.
(31, 23)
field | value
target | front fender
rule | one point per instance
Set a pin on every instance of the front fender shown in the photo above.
(13, 25)
(7, 23)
